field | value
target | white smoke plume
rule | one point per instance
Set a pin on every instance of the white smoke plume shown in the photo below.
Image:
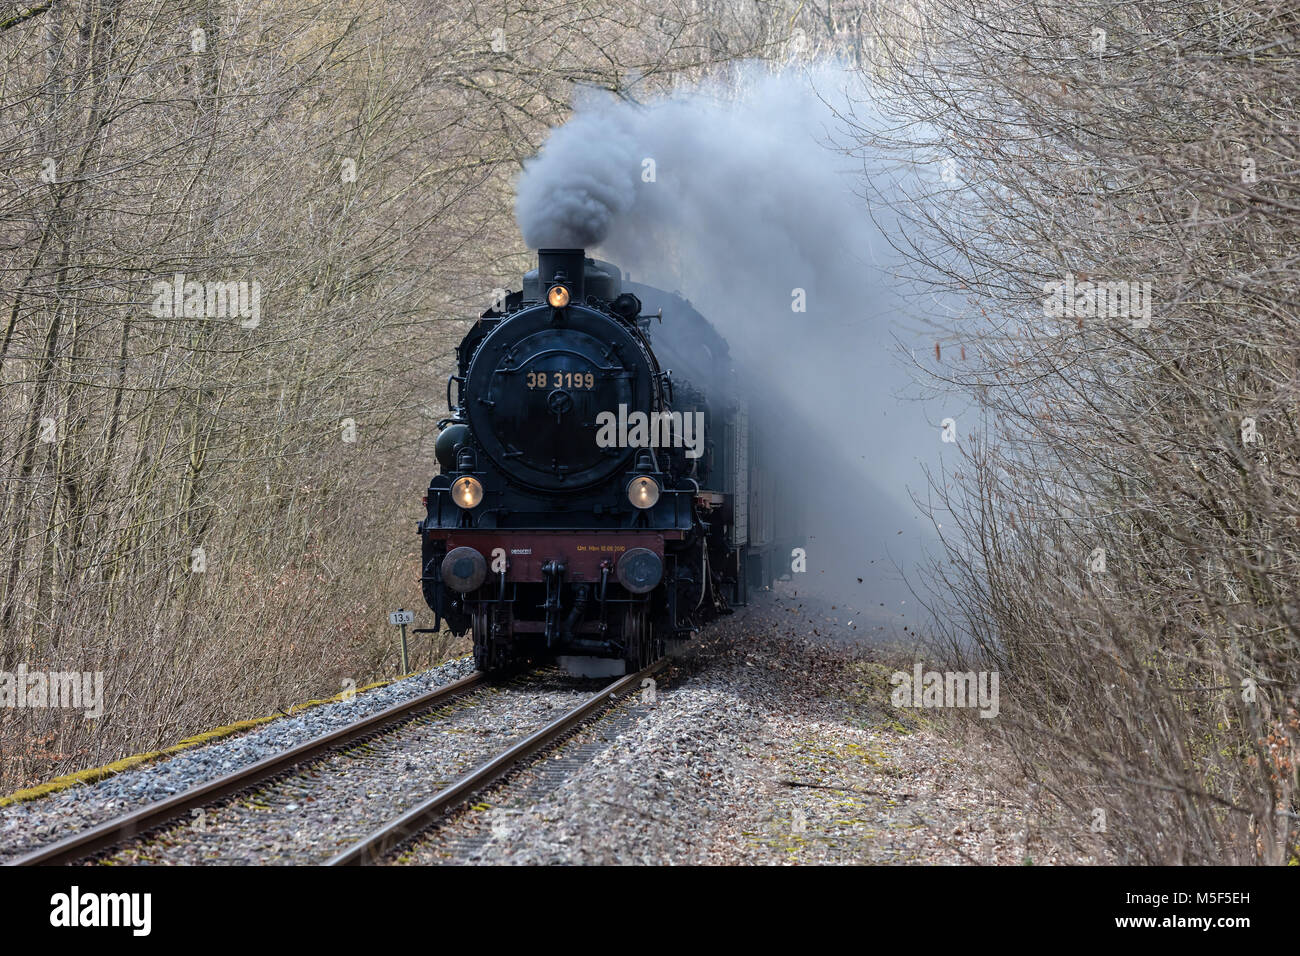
(734, 194)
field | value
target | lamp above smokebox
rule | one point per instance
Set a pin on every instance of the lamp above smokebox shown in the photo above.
(562, 272)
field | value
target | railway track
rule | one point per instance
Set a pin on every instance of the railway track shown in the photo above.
(307, 757)
(374, 847)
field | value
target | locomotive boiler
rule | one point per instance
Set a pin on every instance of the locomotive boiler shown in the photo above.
(600, 492)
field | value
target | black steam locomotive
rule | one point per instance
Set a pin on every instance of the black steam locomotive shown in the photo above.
(601, 491)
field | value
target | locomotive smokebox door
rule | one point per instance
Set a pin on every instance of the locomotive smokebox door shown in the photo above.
(537, 392)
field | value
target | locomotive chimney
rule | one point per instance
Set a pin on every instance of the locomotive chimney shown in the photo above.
(569, 265)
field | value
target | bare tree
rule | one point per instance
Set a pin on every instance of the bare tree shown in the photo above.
(1108, 202)
(237, 241)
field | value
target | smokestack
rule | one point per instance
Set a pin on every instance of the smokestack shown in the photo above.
(567, 267)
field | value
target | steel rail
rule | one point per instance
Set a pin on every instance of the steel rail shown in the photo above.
(124, 828)
(374, 847)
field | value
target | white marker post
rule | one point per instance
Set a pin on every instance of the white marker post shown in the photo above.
(401, 619)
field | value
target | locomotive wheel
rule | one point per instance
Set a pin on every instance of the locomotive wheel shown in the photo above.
(638, 637)
(491, 656)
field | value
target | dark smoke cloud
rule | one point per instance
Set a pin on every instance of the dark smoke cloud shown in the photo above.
(749, 202)
(571, 194)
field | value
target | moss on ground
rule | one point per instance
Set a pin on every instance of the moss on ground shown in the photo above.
(96, 774)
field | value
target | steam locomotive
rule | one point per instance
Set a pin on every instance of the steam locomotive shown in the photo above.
(601, 492)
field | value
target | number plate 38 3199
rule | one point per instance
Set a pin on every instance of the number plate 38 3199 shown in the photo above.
(540, 379)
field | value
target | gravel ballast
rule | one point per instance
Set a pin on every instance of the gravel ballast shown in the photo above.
(775, 742)
(26, 826)
(310, 815)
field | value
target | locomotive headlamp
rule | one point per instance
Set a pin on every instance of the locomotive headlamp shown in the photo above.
(643, 492)
(466, 491)
(558, 297)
